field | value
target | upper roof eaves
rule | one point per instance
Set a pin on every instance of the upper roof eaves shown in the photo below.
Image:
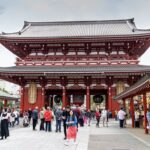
(67, 29)
(68, 69)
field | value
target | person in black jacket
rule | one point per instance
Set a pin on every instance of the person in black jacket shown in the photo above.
(30, 114)
(35, 117)
(89, 116)
(4, 124)
(65, 115)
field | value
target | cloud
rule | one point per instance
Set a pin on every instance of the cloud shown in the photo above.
(101, 9)
(63, 5)
(38, 5)
(2, 10)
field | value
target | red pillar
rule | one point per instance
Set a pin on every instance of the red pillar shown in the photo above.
(43, 97)
(106, 102)
(22, 99)
(132, 111)
(88, 97)
(145, 112)
(5, 102)
(115, 104)
(64, 97)
(110, 98)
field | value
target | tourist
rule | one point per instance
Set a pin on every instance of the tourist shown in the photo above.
(84, 117)
(48, 119)
(12, 118)
(72, 128)
(121, 116)
(81, 118)
(97, 116)
(9, 117)
(116, 115)
(58, 115)
(104, 117)
(4, 124)
(93, 115)
(35, 118)
(65, 115)
(30, 114)
(89, 116)
(42, 118)
(137, 118)
(77, 113)
(25, 119)
(16, 113)
(108, 115)
(148, 117)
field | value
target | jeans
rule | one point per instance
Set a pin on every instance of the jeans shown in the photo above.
(58, 125)
(48, 126)
(17, 120)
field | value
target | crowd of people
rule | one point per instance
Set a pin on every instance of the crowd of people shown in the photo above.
(70, 117)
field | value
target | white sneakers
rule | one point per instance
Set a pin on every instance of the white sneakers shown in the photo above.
(70, 142)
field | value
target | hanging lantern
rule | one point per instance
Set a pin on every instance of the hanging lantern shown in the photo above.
(98, 99)
(32, 93)
(58, 99)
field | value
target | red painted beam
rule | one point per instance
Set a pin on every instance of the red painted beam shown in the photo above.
(145, 112)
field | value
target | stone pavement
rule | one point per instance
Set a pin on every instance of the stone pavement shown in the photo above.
(89, 138)
(114, 138)
(26, 139)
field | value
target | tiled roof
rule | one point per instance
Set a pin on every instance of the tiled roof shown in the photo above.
(77, 29)
(143, 83)
(7, 96)
(75, 69)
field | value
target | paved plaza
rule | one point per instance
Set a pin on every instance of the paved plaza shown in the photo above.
(89, 138)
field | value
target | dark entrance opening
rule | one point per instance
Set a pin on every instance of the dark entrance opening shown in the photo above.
(98, 98)
(53, 97)
(76, 97)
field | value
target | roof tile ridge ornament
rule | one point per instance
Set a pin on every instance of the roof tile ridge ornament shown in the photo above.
(26, 26)
(4, 33)
(26, 23)
(131, 24)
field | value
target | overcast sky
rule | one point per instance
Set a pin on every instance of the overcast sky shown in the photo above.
(13, 13)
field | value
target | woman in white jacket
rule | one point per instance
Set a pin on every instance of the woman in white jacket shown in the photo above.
(104, 117)
(121, 116)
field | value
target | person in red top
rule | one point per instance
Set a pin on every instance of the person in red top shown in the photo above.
(48, 119)
(97, 115)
